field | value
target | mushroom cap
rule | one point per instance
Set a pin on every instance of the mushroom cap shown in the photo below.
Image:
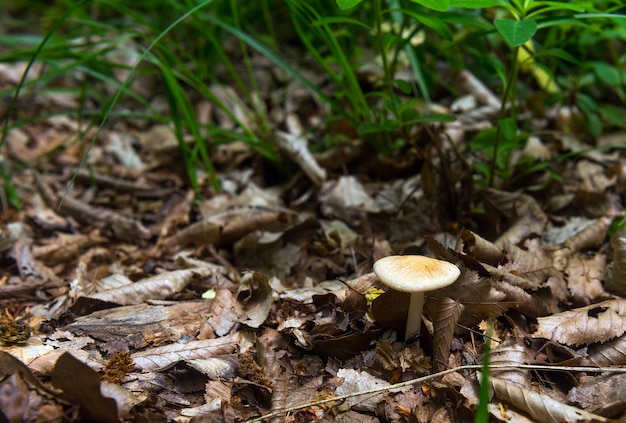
(415, 273)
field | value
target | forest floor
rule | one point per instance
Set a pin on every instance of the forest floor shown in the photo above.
(128, 296)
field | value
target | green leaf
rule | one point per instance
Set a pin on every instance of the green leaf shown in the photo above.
(342, 20)
(431, 22)
(373, 128)
(477, 4)
(515, 32)
(613, 114)
(509, 129)
(559, 5)
(437, 117)
(403, 86)
(620, 19)
(347, 4)
(557, 52)
(438, 5)
(610, 75)
(484, 140)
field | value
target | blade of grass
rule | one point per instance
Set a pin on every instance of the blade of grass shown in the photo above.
(183, 116)
(279, 61)
(119, 92)
(18, 88)
(482, 413)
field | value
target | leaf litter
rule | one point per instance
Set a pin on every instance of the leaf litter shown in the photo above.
(125, 295)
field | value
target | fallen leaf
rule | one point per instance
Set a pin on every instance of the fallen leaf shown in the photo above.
(586, 325)
(540, 407)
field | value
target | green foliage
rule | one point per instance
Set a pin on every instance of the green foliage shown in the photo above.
(567, 49)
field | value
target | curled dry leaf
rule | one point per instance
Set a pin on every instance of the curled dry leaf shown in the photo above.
(590, 237)
(528, 217)
(123, 227)
(481, 297)
(160, 357)
(230, 226)
(9, 234)
(25, 398)
(66, 247)
(297, 149)
(541, 407)
(154, 288)
(81, 385)
(481, 249)
(223, 366)
(254, 299)
(586, 325)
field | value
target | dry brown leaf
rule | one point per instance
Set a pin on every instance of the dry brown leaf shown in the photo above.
(355, 381)
(530, 305)
(444, 324)
(529, 262)
(142, 324)
(584, 277)
(604, 394)
(593, 176)
(81, 386)
(156, 287)
(586, 325)
(122, 226)
(345, 194)
(254, 298)
(10, 233)
(220, 367)
(528, 217)
(481, 249)
(223, 314)
(66, 247)
(591, 237)
(541, 407)
(511, 352)
(24, 398)
(160, 357)
(611, 353)
(274, 368)
(297, 149)
(268, 253)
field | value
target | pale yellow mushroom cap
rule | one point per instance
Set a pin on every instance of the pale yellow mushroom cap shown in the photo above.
(415, 273)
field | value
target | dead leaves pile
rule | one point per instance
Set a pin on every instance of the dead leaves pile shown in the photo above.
(124, 298)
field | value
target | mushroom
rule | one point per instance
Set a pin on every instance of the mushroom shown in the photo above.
(415, 275)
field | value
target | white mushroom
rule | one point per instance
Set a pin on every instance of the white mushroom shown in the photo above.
(416, 275)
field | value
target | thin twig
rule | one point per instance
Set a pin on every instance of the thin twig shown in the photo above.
(433, 376)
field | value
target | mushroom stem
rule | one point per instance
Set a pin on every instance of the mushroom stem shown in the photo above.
(414, 318)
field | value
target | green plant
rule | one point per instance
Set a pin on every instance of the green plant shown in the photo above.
(517, 23)
(77, 46)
